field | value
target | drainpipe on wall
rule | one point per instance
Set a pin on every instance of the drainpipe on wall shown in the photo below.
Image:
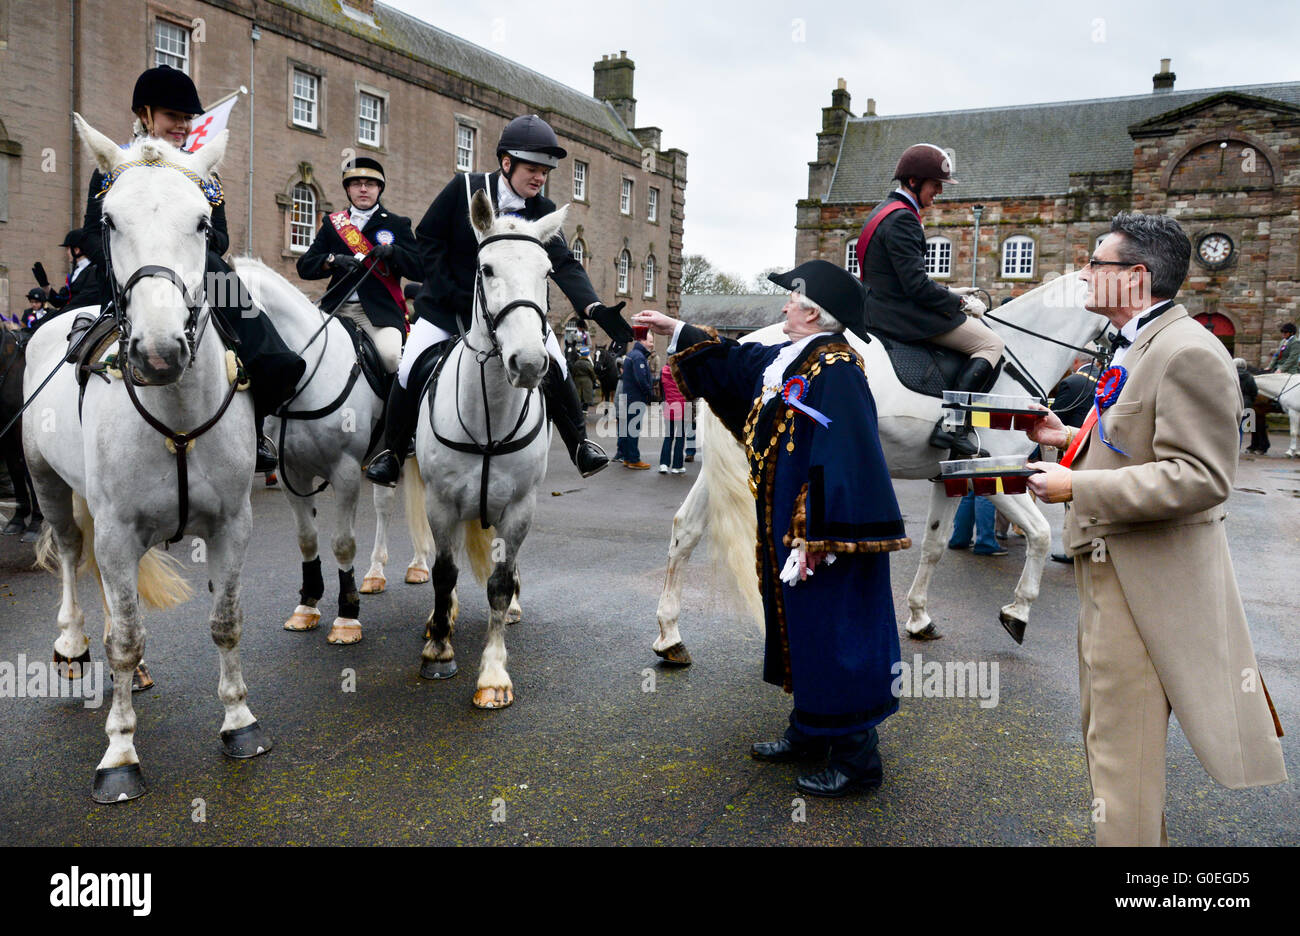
(74, 107)
(254, 35)
(975, 251)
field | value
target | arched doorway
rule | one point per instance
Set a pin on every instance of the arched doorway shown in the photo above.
(1222, 327)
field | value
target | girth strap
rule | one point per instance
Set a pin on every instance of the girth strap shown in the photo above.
(320, 413)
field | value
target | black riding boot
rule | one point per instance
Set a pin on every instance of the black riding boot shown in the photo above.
(400, 412)
(975, 377)
(566, 412)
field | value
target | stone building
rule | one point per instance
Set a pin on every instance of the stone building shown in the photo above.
(325, 79)
(1040, 183)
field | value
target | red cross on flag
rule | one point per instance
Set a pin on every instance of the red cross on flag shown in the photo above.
(206, 126)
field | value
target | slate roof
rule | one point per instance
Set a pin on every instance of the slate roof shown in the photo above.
(1029, 149)
(442, 50)
(733, 313)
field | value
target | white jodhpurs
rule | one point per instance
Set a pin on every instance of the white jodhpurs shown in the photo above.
(388, 340)
(424, 334)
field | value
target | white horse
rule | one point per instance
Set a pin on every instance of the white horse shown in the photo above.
(112, 485)
(1284, 390)
(483, 455)
(331, 446)
(720, 503)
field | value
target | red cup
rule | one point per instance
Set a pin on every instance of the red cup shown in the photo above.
(954, 487)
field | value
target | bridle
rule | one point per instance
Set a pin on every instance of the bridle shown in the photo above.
(195, 305)
(512, 441)
(494, 321)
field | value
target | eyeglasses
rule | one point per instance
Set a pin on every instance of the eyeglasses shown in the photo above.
(1094, 262)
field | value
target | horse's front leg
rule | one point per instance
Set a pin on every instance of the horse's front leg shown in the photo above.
(495, 690)
(688, 530)
(242, 735)
(1294, 450)
(438, 659)
(71, 647)
(938, 527)
(118, 552)
(346, 628)
(1022, 511)
(306, 616)
(375, 581)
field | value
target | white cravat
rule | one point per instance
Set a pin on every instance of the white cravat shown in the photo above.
(507, 199)
(82, 263)
(1131, 331)
(776, 370)
(359, 220)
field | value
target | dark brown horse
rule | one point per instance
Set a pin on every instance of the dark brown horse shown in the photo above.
(27, 518)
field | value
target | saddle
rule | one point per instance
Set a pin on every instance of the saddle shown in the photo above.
(923, 367)
(372, 364)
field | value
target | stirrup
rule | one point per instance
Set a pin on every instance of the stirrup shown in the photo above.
(596, 459)
(381, 469)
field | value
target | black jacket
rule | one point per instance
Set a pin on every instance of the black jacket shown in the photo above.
(382, 310)
(84, 291)
(449, 257)
(904, 303)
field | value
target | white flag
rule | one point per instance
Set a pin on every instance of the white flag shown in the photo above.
(206, 126)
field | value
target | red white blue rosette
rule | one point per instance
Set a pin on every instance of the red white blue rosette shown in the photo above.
(795, 389)
(1109, 386)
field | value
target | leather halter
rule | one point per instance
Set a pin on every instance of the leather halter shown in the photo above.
(494, 321)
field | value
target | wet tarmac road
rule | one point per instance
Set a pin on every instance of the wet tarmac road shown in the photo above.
(587, 755)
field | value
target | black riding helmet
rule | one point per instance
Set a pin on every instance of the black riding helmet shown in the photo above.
(363, 167)
(531, 139)
(166, 88)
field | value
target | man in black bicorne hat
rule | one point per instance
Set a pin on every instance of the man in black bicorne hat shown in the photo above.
(825, 502)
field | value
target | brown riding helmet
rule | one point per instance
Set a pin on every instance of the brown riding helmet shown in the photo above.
(925, 161)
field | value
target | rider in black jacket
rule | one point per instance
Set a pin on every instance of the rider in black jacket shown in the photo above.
(164, 101)
(527, 151)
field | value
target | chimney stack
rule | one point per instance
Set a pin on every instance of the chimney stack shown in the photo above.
(1163, 80)
(871, 107)
(613, 83)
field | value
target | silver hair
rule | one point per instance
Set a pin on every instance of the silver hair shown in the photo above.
(825, 321)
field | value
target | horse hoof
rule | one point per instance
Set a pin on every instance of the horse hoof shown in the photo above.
(494, 697)
(416, 576)
(140, 679)
(438, 669)
(303, 619)
(373, 584)
(1014, 627)
(514, 616)
(675, 655)
(929, 632)
(72, 668)
(249, 741)
(344, 631)
(118, 784)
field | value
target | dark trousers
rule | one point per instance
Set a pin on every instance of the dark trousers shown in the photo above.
(674, 444)
(1259, 439)
(632, 415)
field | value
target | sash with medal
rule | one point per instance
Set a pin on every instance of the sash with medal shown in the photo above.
(359, 244)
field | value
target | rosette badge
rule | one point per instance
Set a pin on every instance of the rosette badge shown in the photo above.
(1109, 386)
(793, 392)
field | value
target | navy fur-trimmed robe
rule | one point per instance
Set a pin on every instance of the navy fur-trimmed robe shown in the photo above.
(832, 639)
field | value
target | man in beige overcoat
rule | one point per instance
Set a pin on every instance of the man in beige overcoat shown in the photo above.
(1161, 623)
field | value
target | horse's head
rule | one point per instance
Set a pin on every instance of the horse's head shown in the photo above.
(157, 220)
(512, 270)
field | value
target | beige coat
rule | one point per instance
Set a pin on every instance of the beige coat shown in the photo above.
(1160, 512)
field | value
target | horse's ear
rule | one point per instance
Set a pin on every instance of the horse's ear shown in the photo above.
(107, 153)
(550, 225)
(481, 214)
(209, 155)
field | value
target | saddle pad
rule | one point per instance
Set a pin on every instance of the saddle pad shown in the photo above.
(923, 368)
(372, 365)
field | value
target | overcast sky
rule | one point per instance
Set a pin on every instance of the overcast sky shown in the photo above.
(740, 85)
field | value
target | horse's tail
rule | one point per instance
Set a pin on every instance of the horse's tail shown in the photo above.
(417, 516)
(478, 549)
(724, 471)
(159, 583)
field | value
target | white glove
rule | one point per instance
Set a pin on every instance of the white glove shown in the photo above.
(973, 307)
(796, 565)
(963, 290)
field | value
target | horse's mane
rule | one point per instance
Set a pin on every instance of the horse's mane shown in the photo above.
(270, 290)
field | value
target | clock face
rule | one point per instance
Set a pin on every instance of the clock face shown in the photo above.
(1214, 250)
